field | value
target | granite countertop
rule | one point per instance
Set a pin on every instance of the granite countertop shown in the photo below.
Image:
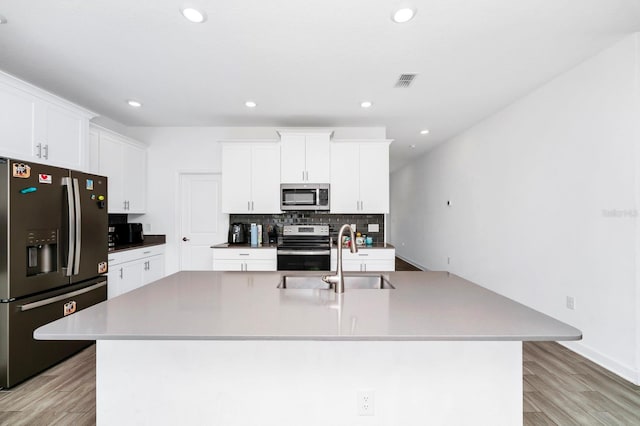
(248, 246)
(245, 246)
(204, 305)
(149, 240)
(373, 246)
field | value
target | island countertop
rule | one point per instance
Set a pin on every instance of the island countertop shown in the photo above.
(203, 305)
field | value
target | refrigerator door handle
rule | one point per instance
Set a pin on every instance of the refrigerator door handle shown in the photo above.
(78, 240)
(55, 299)
(66, 181)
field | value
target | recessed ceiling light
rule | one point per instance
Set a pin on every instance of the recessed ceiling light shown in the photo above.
(133, 103)
(403, 14)
(366, 104)
(3, 20)
(424, 132)
(413, 145)
(251, 104)
(194, 15)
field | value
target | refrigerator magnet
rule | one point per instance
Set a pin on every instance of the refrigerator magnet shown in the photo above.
(42, 178)
(21, 170)
(90, 184)
(28, 190)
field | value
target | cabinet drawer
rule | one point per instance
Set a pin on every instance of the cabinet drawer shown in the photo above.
(246, 253)
(366, 254)
(116, 258)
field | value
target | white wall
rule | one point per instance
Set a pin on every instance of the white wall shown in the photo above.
(173, 150)
(531, 191)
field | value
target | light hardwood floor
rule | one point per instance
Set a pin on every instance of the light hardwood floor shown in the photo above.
(564, 388)
(62, 395)
(560, 388)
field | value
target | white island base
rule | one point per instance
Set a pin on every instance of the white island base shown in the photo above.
(291, 382)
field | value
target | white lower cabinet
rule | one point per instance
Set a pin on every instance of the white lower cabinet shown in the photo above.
(131, 269)
(365, 260)
(247, 259)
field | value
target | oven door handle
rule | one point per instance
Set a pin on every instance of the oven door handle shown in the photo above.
(304, 252)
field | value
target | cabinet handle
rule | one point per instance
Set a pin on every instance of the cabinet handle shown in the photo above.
(252, 206)
(46, 151)
(121, 273)
(244, 254)
(39, 154)
(248, 206)
(307, 174)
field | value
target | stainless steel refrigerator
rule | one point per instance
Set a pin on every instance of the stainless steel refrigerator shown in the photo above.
(53, 259)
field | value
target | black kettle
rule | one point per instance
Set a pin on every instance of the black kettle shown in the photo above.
(237, 233)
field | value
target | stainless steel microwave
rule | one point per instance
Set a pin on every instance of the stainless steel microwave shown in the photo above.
(304, 196)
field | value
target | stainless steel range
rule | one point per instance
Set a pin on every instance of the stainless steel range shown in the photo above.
(304, 248)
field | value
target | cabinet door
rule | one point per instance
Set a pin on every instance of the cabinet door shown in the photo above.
(228, 265)
(292, 166)
(134, 177)
(318, 158)
(16, 122)
(111, 166)
(261, 265)
(125, 277)
(236, 178)
(153, 269)
(94, 152)
(61, 134)
(379, 265)
(345, 180)
(374, 178)
(265, 168)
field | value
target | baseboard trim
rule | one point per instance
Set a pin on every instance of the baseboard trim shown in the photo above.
(411, 262)
(626, 372)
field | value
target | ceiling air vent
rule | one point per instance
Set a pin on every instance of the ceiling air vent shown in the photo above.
(405, 80)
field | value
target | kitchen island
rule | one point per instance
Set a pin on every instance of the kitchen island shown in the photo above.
(231, 348)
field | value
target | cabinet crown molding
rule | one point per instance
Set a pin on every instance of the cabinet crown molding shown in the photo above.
(26, 87)
(305, 131)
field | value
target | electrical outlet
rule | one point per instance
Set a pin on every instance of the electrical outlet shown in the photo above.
(365, 402)
(373, 227)
(571, 303)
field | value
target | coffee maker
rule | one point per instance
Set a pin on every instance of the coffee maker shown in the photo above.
(238, 233)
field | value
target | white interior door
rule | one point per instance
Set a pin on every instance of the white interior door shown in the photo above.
(202, 222)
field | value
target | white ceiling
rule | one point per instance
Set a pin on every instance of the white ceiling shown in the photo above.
(305, 62)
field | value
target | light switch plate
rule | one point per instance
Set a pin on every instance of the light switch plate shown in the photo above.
(373, 227)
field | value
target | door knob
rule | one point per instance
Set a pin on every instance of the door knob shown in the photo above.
(185, 239)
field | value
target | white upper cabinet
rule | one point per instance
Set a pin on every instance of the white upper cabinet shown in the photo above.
(251, 177)
(40, 127)
(305, 157)
(360, 176)
(124, 162)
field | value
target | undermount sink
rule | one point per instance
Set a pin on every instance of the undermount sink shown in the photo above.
(367, 282)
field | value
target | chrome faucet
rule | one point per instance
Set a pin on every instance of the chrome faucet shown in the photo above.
(338, 279)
